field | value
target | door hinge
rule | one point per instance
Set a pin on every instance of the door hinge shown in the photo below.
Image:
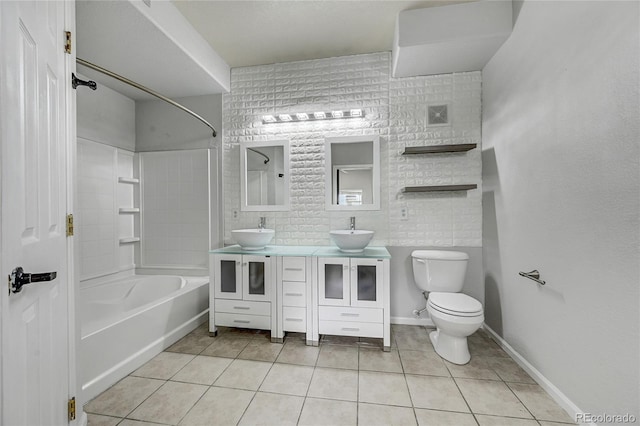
(69, 225)
(71, 408)
(67, 42)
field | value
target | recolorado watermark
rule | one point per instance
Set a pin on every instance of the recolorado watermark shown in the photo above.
(605, 418)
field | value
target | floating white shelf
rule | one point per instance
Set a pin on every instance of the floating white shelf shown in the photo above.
(128, 180)
(439, 188)
(124, 210)
(438, 149)
(129, 240)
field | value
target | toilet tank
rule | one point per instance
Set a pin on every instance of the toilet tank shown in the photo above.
(439, 270)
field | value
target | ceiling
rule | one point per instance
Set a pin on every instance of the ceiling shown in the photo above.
(246, 33)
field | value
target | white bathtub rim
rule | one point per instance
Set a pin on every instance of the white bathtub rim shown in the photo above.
(188, 284)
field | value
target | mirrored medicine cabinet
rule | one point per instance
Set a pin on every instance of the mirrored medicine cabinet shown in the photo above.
(264, 177)
(352, 173)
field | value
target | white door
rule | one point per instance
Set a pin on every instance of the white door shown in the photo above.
(256, 278)
(227, 276)
(33, 117)
(333, 281)
(366, 283)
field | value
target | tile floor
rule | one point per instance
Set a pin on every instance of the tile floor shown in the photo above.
(240, 378)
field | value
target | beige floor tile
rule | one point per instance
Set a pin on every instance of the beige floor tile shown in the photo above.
(129, 422)
(423, 362)
(416, 340)
(490, 397)
(262, 350)
(244, 374)
(438, 393)
(98, 420)
(296, 338)
(163, 366)
(367, 342)
(334, 356)
(202, 328)
(485, 420)
(296, 353)
(477, 368)
(378, 360)
(443, 418)
(219, 406)
(123, 397)
(239, 333)
(509, 370)
(169, 404)
(228, 347)
(191, 344)
(271, 409)
(482, 346)
(374, 414)
(383, 388)
(202, 370)
(544, 423)
(334, 384)
(539, 403)
(288, 379)
(322, 412)
(339, 340)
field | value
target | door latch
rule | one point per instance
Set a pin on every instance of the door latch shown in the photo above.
(19, 278)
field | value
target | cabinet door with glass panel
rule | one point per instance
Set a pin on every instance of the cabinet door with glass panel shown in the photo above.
(350, 282)
(242, 277)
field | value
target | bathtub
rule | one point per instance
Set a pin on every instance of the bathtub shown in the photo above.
(126, 322)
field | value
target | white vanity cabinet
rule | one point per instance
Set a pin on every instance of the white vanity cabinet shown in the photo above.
(242, 291)
(294, 295)
(353, 297)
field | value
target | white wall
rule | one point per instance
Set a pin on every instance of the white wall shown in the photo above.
(396, 110)
(106, 116)
(561, 195)
(160, 126)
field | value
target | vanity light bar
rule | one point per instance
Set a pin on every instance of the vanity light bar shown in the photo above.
(311, 116)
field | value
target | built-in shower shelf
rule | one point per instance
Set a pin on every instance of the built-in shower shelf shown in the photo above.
(128, 180)
(129, 240)
(127, 210)
(439, 149)
(439, 188)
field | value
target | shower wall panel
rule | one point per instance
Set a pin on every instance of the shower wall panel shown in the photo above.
(175, 209)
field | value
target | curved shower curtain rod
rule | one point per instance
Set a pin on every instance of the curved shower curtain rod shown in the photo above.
(266, 159)
(147, 90)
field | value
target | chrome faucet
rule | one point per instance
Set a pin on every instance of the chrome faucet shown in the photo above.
(263, 223)
(352, 225)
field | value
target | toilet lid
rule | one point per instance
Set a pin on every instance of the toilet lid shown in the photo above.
(455, 304)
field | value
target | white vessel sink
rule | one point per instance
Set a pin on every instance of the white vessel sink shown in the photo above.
(351, 241)
(253, 239)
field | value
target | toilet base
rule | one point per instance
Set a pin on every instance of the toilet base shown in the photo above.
(453, 349)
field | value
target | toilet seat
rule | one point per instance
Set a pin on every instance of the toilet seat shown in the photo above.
(456, 304)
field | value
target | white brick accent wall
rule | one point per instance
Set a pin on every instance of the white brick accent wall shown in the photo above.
(396, 110)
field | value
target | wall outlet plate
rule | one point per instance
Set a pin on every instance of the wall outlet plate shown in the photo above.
(404, 213)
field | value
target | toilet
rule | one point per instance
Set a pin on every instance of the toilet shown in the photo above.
(440, 274)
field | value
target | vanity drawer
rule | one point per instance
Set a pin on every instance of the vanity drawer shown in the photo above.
(242, 307)
(294, 319)
(259, 322)
(294, 294)
(293, 269)
(358, 329)
(340, 313)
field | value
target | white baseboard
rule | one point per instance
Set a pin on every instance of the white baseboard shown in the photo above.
(555, 393)
(412, 321)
